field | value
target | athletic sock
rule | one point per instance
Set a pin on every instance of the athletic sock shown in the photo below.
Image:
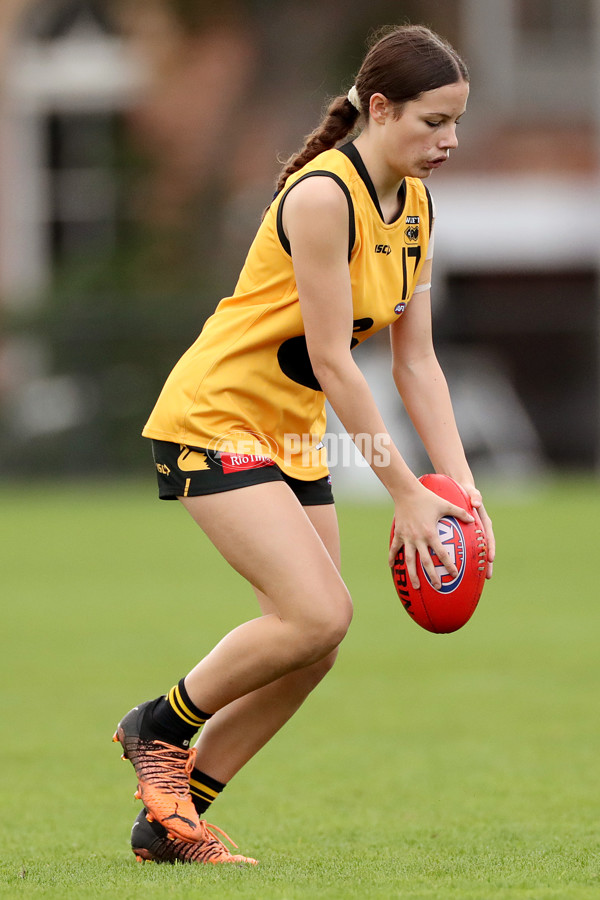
(176, 718)
(204, 790)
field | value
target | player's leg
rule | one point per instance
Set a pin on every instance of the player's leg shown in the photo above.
(265, 534)
(236, 733)
(239, 730)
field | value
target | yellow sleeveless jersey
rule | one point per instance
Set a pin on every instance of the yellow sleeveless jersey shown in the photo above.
(246, 385)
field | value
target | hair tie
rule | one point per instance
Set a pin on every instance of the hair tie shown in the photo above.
(354, 98)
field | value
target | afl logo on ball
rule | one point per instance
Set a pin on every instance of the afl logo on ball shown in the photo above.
(399, 308)
(453, 540)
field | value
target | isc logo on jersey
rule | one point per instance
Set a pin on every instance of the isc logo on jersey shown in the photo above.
(453, 540)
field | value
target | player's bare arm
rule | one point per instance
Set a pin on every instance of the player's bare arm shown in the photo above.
(316, 222)
(424, 390)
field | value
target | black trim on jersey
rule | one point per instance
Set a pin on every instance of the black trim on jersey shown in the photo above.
(351, 226)
(356, 159)
(430, 203)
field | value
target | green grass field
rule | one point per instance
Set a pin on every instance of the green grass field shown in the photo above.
(425, 766)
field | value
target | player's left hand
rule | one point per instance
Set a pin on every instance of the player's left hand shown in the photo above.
(477, 502)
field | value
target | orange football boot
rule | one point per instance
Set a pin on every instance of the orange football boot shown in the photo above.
(150, 842)
(163, 772)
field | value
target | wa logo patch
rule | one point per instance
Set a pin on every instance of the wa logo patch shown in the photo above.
(399, 308)
(411, 232)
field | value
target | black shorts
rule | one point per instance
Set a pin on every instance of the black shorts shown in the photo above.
(192, 471)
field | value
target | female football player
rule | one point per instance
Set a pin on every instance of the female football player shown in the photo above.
(344, 250)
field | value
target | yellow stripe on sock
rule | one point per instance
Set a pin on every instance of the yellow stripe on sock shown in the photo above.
(181, 709)
(199, 720)
(198, 786)
(173, 701)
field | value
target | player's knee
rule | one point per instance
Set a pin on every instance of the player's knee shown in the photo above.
(319, 670)
(326, 628)
(341, 623)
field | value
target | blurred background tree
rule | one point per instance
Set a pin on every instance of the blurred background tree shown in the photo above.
(140, 141)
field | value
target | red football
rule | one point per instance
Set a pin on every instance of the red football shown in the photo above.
(450, 607)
